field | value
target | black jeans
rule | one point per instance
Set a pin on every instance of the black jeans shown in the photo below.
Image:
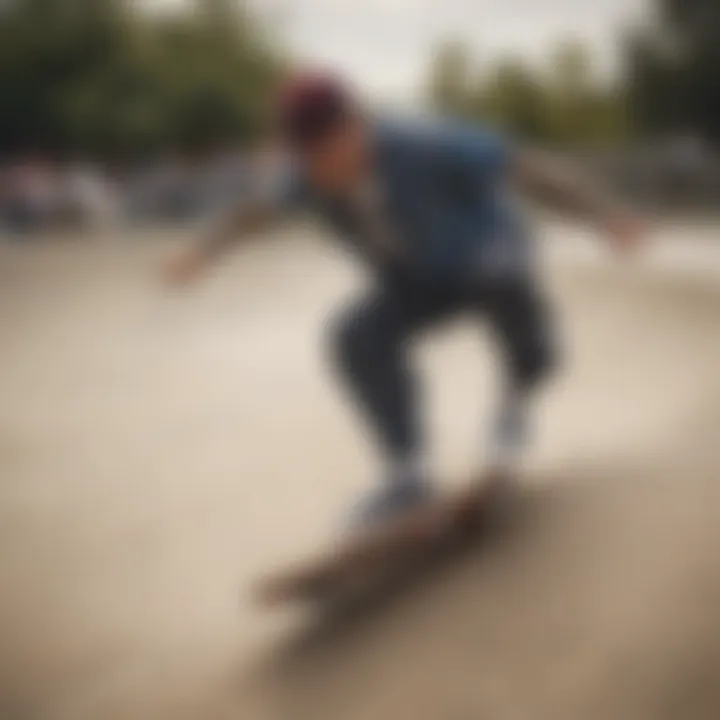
(370, 344)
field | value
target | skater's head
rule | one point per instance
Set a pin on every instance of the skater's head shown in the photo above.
(321, 123)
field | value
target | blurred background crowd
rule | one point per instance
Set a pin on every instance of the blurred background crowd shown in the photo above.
(122, 111)
(40, 194)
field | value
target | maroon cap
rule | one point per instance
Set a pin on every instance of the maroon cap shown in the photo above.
(310, 106)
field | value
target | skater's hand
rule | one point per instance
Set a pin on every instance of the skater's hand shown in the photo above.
(183, 269)
(627, 232)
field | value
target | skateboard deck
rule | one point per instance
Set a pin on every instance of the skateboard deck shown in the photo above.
(411, 535)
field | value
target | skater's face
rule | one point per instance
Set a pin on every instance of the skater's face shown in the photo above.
(340, 159)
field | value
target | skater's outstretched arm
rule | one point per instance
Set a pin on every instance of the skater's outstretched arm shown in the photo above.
(233, 228)
(470, 157)
(552, 182)
(274, 192)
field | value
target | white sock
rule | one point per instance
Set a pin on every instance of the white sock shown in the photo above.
(502, 452)
(409, 469)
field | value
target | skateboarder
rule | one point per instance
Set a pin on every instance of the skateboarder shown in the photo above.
(431, 207)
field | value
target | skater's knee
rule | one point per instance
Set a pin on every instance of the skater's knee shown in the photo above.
(536, 364)
(352, 341)
(365, 339)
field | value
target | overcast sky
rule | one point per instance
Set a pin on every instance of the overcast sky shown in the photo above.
(385, 44)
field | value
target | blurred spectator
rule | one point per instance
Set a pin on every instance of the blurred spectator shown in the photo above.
(226, 176)
(162, 192)
(38, 196)
(31, 195)
(88, 200)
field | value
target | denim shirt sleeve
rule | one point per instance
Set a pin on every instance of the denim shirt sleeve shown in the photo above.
(470, 156)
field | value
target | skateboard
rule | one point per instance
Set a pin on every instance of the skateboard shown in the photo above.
(448, 519)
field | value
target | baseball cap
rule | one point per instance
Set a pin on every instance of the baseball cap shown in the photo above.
(310, 106)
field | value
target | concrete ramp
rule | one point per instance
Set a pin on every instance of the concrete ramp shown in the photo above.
(158, 453)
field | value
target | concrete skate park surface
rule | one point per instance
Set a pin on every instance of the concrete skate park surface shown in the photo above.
(159, 452)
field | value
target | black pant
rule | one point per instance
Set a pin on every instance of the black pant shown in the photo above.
(370, 344)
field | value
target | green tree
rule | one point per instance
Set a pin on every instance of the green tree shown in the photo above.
(581, 110)
(450, 79)
(674, 69)
(511, 95)
(564, 104)
(100, 76)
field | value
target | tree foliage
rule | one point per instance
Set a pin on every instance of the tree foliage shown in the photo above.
(102, 77)
(667, 85)
(562, 102)
(674, 69)
(450, 77)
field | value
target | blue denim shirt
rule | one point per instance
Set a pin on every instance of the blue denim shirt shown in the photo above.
(445, 199)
